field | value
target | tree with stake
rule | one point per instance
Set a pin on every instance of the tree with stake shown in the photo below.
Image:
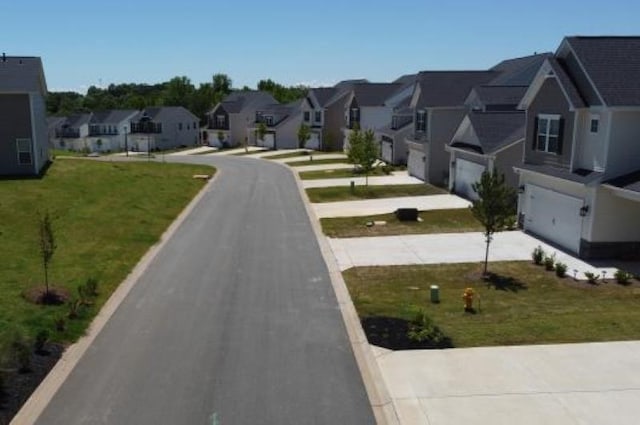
(220, 137)
(494, 207)
(304, 134)
(47, 248)
(261, 131)
(363, 151)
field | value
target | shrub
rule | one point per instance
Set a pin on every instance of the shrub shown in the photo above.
(561, 269)
(91, 287)
(538, 255)
(622, 277)
(60, 323)
(549, 262)
(74, 308)
(422, 329)
(512, 223)
(591, 277)
(22, 352)
(42, 337)
(387, 169)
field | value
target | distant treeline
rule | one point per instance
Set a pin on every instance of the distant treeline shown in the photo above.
(179, 91)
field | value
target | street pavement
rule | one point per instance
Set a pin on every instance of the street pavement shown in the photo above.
(388, 205)
(234, 322)
(576, 384)
(450, 248)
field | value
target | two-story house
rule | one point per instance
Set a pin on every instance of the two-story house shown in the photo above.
(108, 130)
(161, 128)
(228, 123)
(314, 116)
(71, 133)
(580, 178)
(282, 123)
(333, 113)
(491, 136)
(24, 145)
(438, 102)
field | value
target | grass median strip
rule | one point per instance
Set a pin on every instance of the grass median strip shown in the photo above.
(105, 216)
(344, 193)
(435, 221)
(338, 173)
(521, 304)
(319, 161)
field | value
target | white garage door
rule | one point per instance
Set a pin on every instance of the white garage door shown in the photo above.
(554, 216)
(387, 152)
(313, 142)
(415, 163)
(467, 173)
(268, 142)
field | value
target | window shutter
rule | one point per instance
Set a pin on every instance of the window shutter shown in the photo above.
(560, 135)
(535, 133)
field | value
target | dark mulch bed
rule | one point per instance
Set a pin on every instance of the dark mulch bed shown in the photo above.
(19, 386)
(39, 295)
(391, 333)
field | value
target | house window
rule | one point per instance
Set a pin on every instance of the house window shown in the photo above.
(268, 120)
(188, 126)
(548, 134)
(595, 123)
(195, 125)
(318, 116)
(23, 147)
(394, 122)
(354, 116)
(220, 121)
(421, 121)
(307, 116)
(179, 126)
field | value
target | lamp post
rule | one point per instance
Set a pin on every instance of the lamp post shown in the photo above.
(126, 144)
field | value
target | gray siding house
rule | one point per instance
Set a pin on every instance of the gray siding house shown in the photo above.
(282, 123)
(24, 143)
(163, 128)
(580, 176)
(102, 131)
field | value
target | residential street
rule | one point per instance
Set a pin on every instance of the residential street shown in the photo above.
(234, 322)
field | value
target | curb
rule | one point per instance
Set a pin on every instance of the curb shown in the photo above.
(40, 398)
(381, 403)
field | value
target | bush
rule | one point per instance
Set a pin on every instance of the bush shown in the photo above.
(22, 352)
(422, 329)
(60, 323)
(91, 287)
(549, 262)
(74, 308)
(592, 277)
(512, 223)
(622, 277)
(42, 337)
(561, 269)
(538, 255)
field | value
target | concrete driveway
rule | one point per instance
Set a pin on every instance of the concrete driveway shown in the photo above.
(448, 248)
(586, 384)
(388, 205)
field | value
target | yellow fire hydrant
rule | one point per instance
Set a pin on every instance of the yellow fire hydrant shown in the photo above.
(467, 297)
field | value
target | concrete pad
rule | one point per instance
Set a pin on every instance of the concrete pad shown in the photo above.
(195, 151)
(316, 156)
(271, 152)
(398, 177)
(449, 248)
(323, 167)
(540, 384)
(388, 205)
(239, 150)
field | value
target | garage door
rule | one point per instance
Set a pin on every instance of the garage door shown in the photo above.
(467, 173)
(268, 142)
(313, 142)
(387, 152)
(415, 164)
(553, 216)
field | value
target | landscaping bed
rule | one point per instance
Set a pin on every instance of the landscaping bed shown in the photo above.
(521, 304)
(105, 216)
(433, 221)
(344, 193)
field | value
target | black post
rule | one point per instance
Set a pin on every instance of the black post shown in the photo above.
(126, 144)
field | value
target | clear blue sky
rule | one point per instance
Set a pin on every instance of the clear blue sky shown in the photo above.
(319, 42)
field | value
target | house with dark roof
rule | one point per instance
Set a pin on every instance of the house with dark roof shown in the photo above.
(579, 182)
(24, 146)
(228, 123)
(369, 106)
(161, 128)
(314, 115)
(101, 131)
(282, 123)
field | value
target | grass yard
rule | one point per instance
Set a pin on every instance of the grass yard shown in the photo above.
(434, 221)
(295, 154)
(338, 173)
(61, 152)
(319, 161)
(343, 193)
(524, 305)
(105, 217)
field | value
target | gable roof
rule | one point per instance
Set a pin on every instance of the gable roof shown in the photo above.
(494, 130)
(161, 112)
(552, 67)
(374, 94)
(518, 71)
(236, 101)
(77, 120)
(112, 116)
(499, 95)
(22, 74)
(612, 65)
(323, 94)
(449, 88)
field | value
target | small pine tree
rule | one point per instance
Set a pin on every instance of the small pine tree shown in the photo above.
(494, 207)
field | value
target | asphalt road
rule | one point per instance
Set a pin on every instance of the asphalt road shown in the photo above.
(234, 322)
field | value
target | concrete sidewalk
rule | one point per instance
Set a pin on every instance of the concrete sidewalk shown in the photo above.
(239, 150)
(388, 205)
(448, 248)
(316, 157)
(323, 167)
(397, 177)
(586, 384)
(194, 151)
(271, 152)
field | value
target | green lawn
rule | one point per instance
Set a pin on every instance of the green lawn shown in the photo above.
(338, 173)
(528, 305)
(343, 193)
(435, 221)
(105, 217)
(62, 152)
(301, 154)
(319, 161)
